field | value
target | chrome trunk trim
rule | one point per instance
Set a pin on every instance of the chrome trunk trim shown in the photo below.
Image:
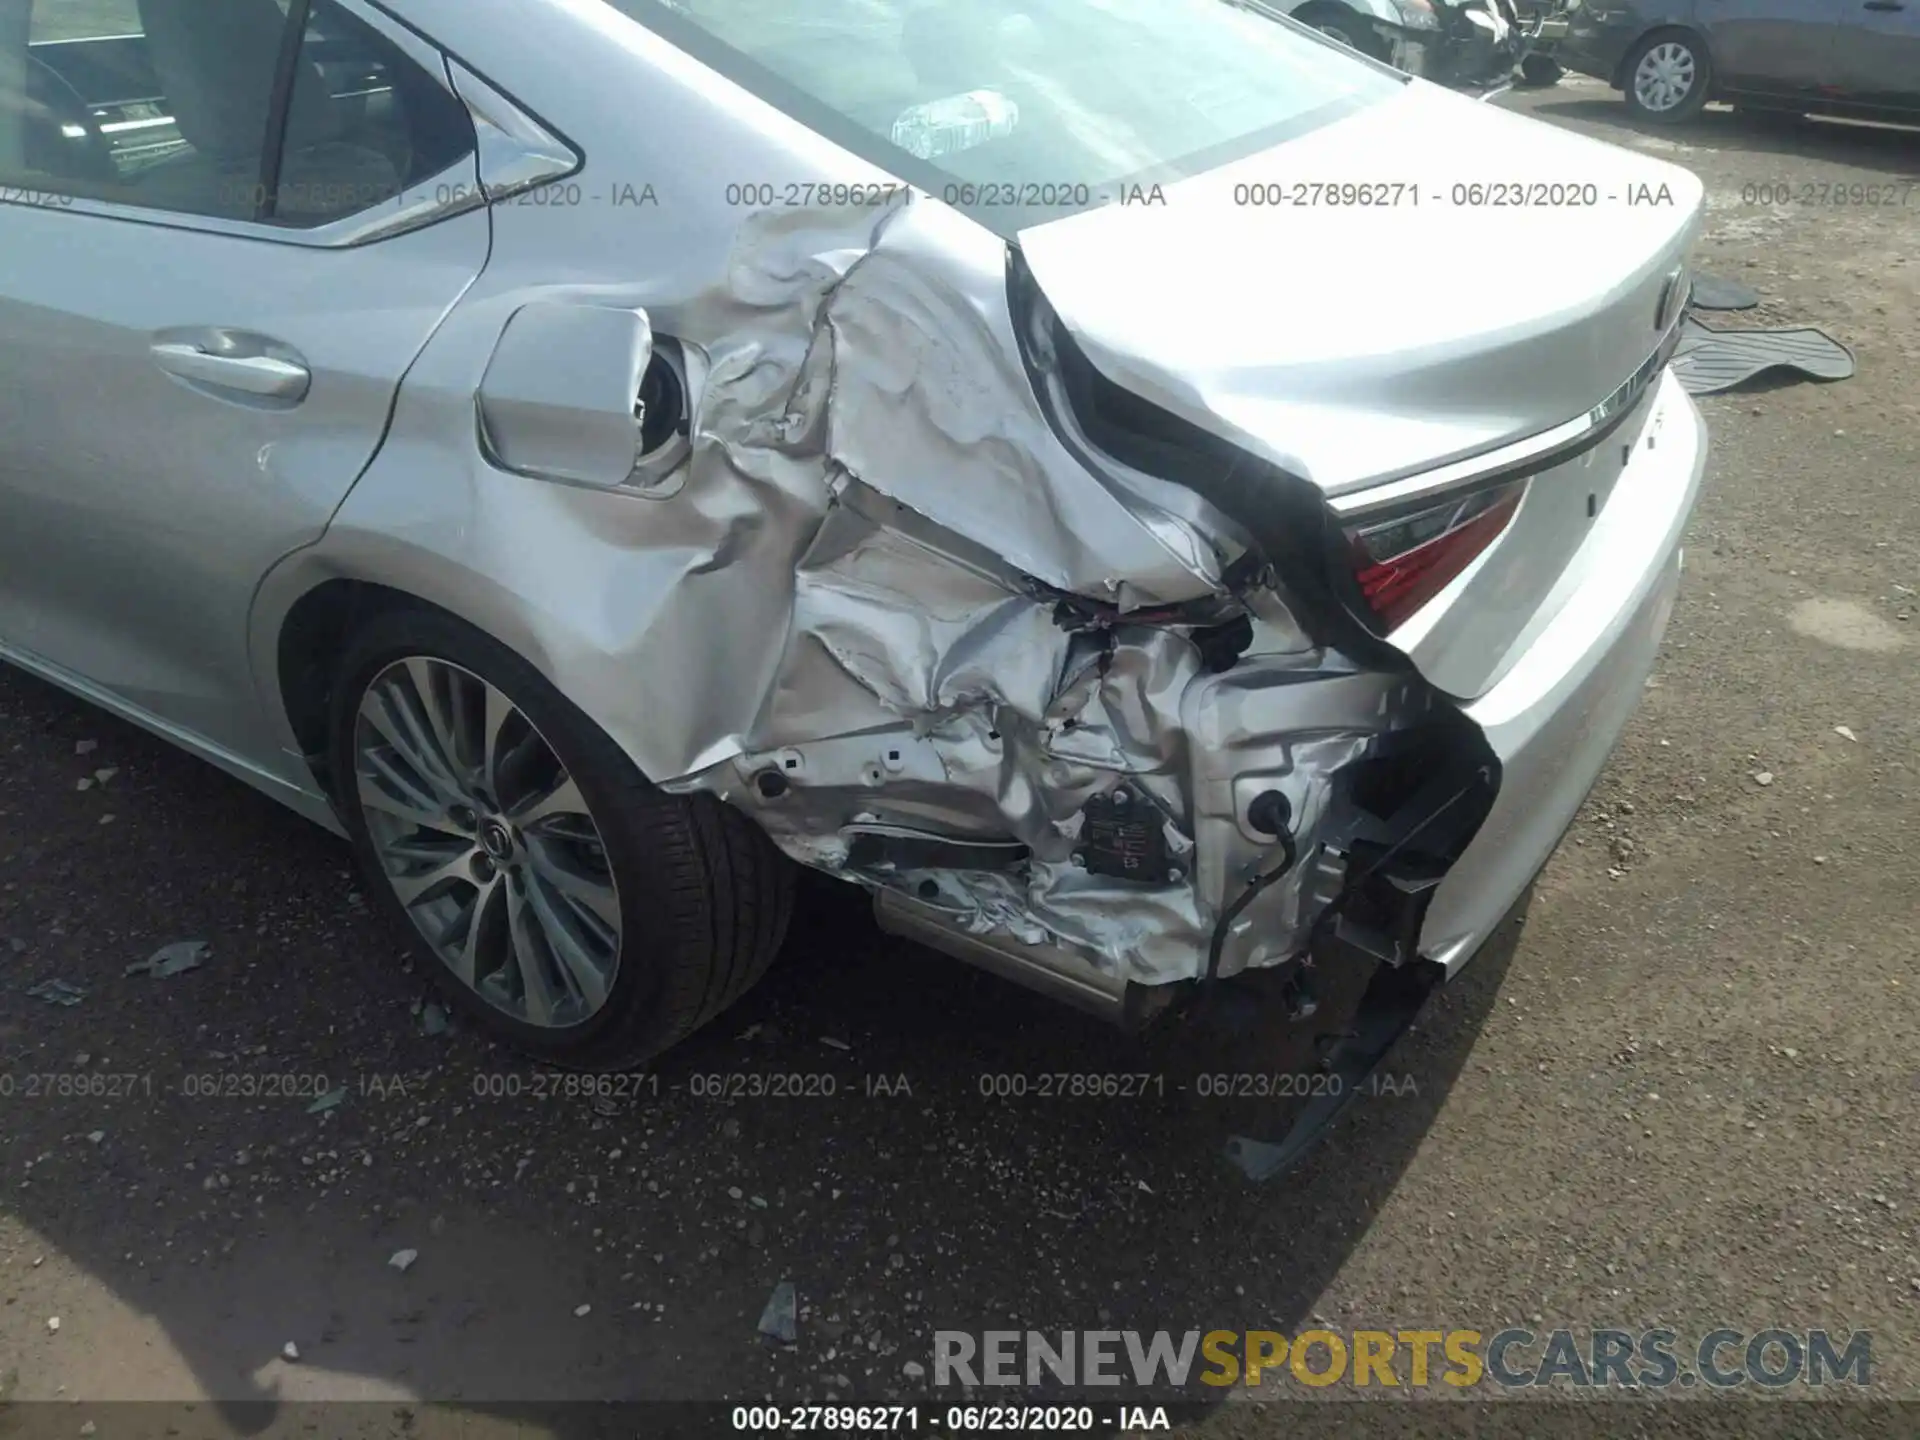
(1536, 452)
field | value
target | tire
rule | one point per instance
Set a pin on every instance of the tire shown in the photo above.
(1652, 67)
(1541, 72)
(701, 895)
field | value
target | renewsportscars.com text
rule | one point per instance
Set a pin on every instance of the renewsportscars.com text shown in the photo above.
(1509, 1359)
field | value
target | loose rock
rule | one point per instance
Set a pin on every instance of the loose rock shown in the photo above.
(170, 960)
(57, 992)
(781, 1319)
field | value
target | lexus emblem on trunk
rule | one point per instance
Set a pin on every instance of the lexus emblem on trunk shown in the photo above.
(1674, 293)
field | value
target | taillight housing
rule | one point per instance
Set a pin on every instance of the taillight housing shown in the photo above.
(1402, 559)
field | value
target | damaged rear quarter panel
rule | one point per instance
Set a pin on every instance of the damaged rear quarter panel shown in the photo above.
(841, 588)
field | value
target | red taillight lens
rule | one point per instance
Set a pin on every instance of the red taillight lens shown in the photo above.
(1404, 560)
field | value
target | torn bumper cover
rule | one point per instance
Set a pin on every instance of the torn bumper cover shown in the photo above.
(1060, 790)
(1106, 778)
(1071, 686)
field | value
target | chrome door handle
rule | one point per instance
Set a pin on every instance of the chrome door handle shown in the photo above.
(263, 375)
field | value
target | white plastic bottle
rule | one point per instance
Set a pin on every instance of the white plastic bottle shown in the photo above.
(958, 122)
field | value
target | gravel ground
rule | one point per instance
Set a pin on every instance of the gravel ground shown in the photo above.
(1681, 1094)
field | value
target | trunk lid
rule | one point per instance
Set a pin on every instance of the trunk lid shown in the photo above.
(1515, 279)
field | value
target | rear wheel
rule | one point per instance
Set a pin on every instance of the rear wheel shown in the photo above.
(565, 904)
(1666, 77)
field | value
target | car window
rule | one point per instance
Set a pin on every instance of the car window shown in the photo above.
(84, 19)
(1057, 104)
(364, 123)
(156, 103)
(170, 105)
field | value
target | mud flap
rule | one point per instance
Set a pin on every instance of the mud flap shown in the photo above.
(1393, 998)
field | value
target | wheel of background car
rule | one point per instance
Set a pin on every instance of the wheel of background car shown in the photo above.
(1667, 77)
(73, 109)
(1539, 72)
(566, 904)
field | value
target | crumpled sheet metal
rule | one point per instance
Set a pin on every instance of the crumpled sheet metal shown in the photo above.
(607, 590)
(839, 585)
(929, 403)
(922, 684)
(963, 709)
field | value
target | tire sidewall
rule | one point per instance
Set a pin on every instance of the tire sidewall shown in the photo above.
(645, 913)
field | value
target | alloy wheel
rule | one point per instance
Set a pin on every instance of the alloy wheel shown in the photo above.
(487, 842)
(1664, 77)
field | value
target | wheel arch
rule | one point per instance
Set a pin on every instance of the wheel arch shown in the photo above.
(309, 608)
(710, 892)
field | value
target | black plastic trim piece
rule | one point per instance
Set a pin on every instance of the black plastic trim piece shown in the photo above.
(1392, 1002)
(897, 848)
(1285, 515)
(286, 72)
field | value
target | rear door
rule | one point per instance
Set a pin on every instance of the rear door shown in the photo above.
(1877, 56)
(229, 228)
(1779, 47)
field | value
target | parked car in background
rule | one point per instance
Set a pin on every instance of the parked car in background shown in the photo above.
(602, 475)
(1463, 44)
(1400, 32)
(1543, 24)
(1858, 58)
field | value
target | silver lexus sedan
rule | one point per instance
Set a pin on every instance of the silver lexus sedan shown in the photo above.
(1078, 469)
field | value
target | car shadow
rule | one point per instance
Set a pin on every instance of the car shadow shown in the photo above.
(1891, 149)
(900, 1138)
